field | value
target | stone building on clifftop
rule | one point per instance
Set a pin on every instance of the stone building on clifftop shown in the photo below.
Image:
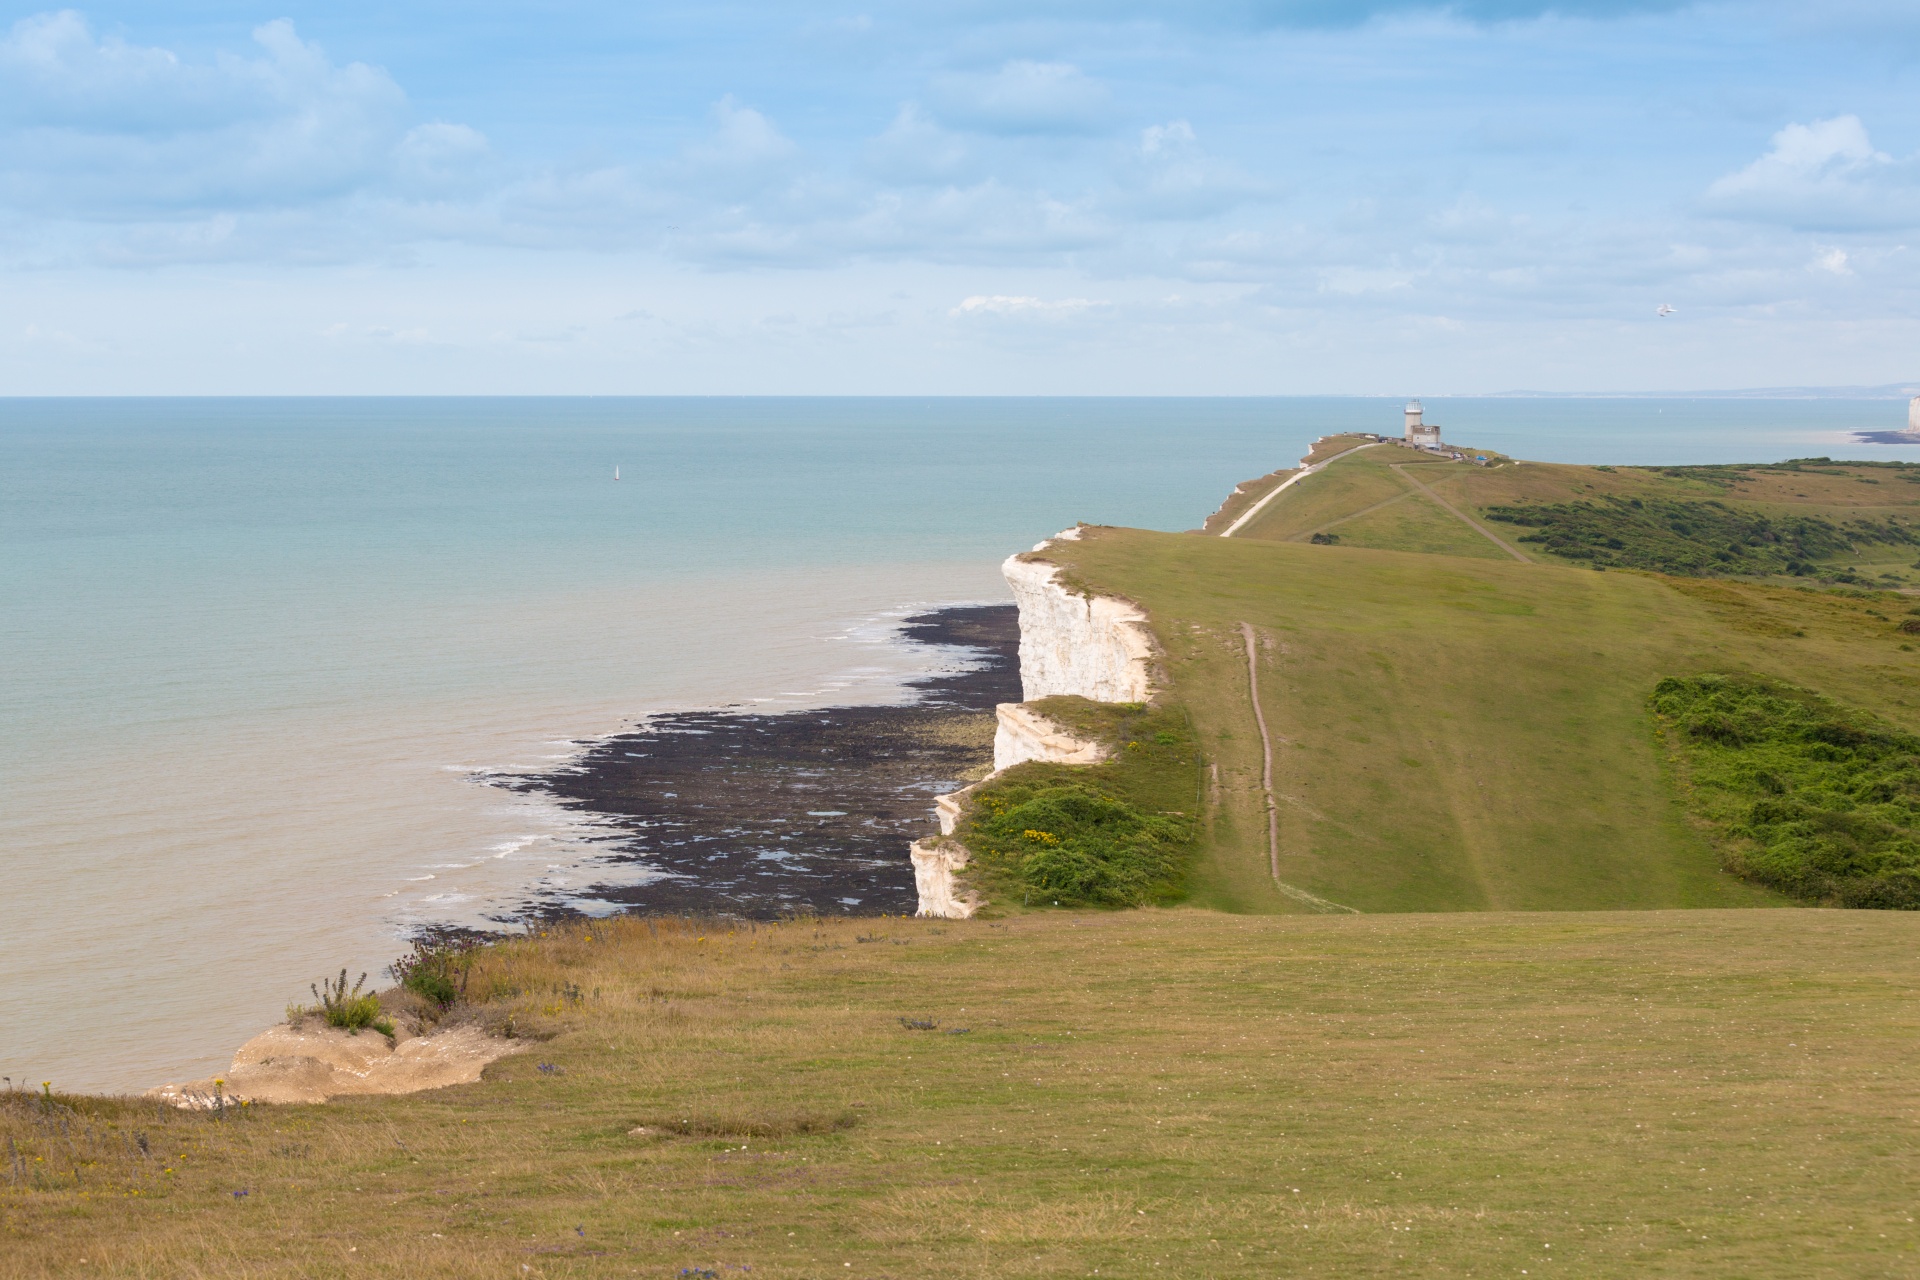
(1421, 435)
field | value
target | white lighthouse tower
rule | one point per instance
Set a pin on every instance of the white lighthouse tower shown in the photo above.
(1421, 435)
(1913, 416)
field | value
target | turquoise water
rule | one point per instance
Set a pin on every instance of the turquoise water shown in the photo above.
(256, 651)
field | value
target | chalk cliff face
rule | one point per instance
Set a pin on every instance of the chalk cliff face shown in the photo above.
(1096, 647)
(1024, 735)
(934, 868)
(1021, 735)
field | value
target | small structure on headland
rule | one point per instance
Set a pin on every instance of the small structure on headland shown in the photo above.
(1421, 434)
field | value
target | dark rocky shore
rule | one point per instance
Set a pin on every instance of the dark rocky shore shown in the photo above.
(809, 812)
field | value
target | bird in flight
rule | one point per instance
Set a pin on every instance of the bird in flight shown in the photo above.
(1663, 310)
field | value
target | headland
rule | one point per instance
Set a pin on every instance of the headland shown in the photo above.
(1367, 892)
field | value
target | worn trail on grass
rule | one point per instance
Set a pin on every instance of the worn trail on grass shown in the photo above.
(1284, 485)
(1463, 517)
(1266, 785)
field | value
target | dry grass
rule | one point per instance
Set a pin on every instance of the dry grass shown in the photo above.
(1149, 1093)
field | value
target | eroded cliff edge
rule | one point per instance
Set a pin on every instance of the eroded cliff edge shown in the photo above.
(1071, 644)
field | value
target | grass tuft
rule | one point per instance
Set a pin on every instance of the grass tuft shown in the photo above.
(750, 1123)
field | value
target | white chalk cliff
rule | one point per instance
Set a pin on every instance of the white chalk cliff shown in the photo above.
(1024, 734)
(1094, 647)
(936, 867)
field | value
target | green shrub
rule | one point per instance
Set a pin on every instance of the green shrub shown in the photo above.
(1696, 538)
(1115, 834)
(350, 1010)
(1808, 797)
(1072, 844)
(436, 970)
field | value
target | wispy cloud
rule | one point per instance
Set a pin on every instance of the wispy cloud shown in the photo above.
(1825, 176)
(1000, 304)
(99, 127)
(1024, 97)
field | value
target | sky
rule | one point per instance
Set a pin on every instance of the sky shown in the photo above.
(957, 197)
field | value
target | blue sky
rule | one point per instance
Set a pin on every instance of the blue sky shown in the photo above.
(969, 196)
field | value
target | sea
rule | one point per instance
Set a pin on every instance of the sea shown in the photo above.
(259, 658)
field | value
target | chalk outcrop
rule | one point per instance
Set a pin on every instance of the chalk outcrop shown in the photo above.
(1093, 647)
(1024, 734)
(314, 1063)
(937, 865)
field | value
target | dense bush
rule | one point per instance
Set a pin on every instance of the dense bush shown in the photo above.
(1814, 799)
(1069, 843)
(1115, 834)
(1698, 539)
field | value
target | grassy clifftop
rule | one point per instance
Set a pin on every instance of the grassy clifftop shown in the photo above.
(1460, 721)
(1148, 1093)
(1852, 522)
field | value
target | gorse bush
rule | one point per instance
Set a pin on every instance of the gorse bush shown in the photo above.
(1810, 798)
(1070, 843)
(1115, 834)
(1694, 538)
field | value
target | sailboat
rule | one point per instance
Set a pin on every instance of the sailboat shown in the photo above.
(616, 471)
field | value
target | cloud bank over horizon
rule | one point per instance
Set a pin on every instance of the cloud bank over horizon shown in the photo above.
(1259, 197)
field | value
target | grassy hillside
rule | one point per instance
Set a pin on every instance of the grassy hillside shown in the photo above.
(1459, 733)
(1153, 1093)
(1849, 522)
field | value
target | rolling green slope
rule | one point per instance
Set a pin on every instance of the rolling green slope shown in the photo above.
(1456, 733)
(1846, 522)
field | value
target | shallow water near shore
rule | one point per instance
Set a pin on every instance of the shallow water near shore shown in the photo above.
(257, 652)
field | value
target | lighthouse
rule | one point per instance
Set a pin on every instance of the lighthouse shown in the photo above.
(1913, 416)
(1420, 434)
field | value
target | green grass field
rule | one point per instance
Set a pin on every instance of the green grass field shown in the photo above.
(1458, 730)
(1141, 1094)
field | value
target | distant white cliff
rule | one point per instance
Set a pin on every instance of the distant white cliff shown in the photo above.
(1094, 647)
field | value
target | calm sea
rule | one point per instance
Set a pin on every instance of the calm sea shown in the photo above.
(257, 652)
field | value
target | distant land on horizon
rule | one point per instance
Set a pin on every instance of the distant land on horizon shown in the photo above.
(1884, 391)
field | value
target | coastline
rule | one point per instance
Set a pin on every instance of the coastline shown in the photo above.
(760, 814)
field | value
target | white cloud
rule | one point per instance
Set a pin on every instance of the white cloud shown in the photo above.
(1168, 174)
(742, 155)
(1361, 280)
(98, 128)
(1024, 97)
(1822, 176)
(442, 159)
(916, 149)
(1833, 261)
(1001, 304)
